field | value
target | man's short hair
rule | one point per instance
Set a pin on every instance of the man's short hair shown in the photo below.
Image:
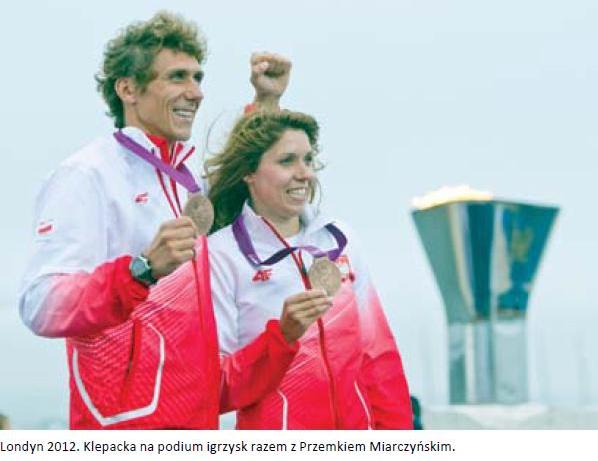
(132, 53)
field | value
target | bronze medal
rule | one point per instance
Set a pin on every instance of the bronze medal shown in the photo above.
(200, 210)
(324, 274)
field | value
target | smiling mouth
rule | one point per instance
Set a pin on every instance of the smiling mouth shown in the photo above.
(184, 114)
(299, 193)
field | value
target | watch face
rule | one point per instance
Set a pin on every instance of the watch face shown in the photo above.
(138, 267)
(141, 271)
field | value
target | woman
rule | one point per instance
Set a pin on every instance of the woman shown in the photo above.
(347, 373)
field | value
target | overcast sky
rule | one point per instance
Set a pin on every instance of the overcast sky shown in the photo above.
(411, 95)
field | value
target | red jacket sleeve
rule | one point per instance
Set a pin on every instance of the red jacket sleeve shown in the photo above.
(67, 305)
(255, 370)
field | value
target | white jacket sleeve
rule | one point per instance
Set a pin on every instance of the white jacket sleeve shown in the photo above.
(69, 288)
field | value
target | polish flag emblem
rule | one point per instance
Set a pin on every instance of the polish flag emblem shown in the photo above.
(141, 198)
(344, 265)
(45, 228)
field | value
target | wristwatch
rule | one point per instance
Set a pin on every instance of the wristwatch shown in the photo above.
(141, 270)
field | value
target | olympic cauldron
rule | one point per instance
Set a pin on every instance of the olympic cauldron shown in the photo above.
(484, 254)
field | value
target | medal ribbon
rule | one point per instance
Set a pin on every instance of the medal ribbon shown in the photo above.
(182, 175)
(244, 241)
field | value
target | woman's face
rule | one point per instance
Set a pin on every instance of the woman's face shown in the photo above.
(281, 185)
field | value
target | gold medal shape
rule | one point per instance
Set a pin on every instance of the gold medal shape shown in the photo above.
(324, 274)
(200, 210)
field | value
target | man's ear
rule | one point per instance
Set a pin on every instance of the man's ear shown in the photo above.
(126, 90)
(248, 179)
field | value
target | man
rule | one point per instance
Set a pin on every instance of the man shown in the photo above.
(110, 226)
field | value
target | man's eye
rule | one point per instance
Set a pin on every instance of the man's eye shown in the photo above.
(287, 160)
(177, 76)
(198, 77)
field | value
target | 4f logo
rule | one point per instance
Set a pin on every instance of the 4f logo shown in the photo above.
(262, 275)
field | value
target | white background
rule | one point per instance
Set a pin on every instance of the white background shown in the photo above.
(467, 445)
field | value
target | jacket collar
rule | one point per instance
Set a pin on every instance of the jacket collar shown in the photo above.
(311, 221)
(159, 146)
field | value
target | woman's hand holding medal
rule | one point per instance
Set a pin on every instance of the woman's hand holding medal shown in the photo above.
(301, 310)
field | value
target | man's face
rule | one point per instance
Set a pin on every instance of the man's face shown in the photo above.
(168, 104)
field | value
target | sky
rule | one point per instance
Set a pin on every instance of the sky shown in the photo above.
(410, 96)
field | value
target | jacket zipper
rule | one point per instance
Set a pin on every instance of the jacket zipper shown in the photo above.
(321, 335)
(322, 340)
(331, 385)
(177, 210)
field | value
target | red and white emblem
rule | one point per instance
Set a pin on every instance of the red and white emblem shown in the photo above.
(45, 228)
(262, 275)
(344, 265)
(142, 197)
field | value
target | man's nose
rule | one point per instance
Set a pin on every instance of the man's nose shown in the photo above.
(193, 91)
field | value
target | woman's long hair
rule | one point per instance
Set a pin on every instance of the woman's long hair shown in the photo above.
(251, 136)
